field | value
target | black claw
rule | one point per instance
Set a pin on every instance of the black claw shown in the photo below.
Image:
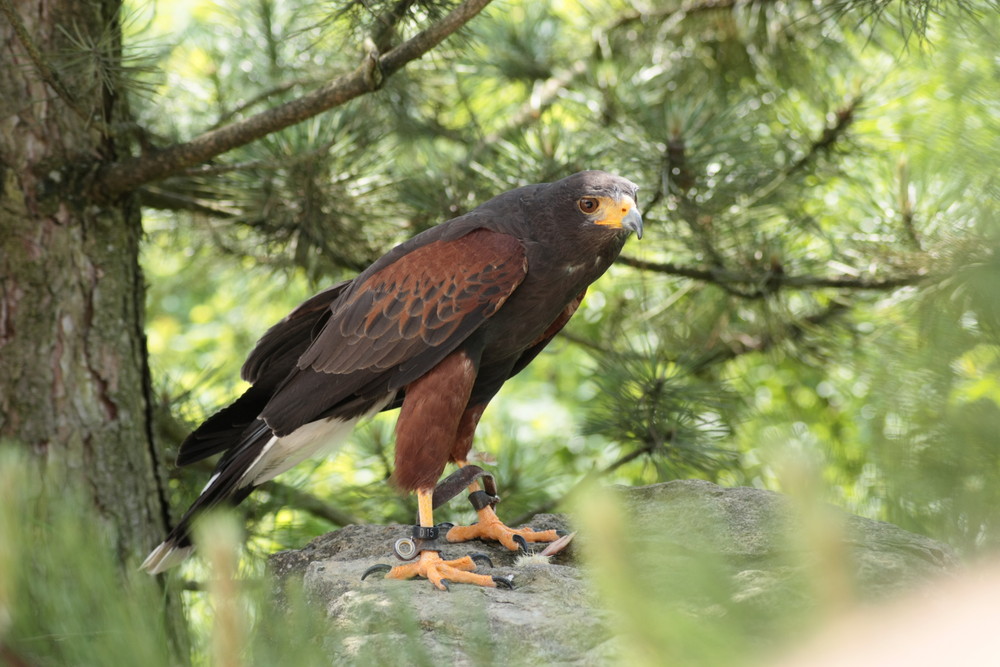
(446, 584)
(381, 567)
(445, 526)
(521, 543)
(506, 581)
(562, 533)
(481, 558)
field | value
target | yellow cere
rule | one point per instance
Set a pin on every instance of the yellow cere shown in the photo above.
(614, 211)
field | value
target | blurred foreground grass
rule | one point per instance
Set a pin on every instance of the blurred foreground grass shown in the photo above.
(66, 600)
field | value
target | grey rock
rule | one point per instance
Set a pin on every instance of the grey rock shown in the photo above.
(750, 545)
(763, 532)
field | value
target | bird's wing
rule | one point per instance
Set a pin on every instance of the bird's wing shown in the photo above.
(396, 323)
(283, 344)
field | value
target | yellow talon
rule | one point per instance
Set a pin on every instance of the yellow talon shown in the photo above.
(490, 527)
(441, 572)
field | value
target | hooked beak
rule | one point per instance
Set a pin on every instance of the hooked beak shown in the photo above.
(633, 221)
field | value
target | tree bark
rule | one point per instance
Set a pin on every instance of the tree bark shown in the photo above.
(74, 383)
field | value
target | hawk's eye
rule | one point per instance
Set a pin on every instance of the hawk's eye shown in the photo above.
(587, 204)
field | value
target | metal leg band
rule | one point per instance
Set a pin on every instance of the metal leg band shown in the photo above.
(424, 539)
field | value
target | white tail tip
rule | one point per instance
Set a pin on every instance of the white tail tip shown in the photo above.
(164, 557)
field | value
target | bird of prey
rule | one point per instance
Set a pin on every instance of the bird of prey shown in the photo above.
(435, 327)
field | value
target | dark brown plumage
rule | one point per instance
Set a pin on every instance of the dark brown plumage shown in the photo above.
(436, 326)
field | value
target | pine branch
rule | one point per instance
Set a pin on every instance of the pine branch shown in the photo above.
(153, 197)
(368, 77)
(843, 118)
(426, 40)
(905, 204)
(833, 132)
(546, 93)
(675, 162)
(257, 99)
(266, 11)
(543, 97)
(843, 282)
(790, 331)
(770, 282)
(583, 342)
(48, 75)
(202, 170)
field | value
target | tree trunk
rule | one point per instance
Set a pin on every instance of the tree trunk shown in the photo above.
(74, 382)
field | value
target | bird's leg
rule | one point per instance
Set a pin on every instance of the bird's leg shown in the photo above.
(489, 525)
(429, 563)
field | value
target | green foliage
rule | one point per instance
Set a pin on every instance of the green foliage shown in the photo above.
(64, 599)
(659, 408)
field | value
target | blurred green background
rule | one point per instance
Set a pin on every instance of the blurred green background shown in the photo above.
(818, 287)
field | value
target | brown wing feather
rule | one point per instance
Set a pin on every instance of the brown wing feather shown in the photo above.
(424, 299)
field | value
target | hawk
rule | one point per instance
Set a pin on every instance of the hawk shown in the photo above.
(434, 328)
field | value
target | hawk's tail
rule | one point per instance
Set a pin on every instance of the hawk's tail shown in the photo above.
(231, 483)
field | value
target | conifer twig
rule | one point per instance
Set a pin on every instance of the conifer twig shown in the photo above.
(368, 77)
(676, 14)
(543, 97)
(790, 331)
(833, 132)
(387, 23)
(906, 205)
(548, 91)
(769, 282)
(164, 200)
